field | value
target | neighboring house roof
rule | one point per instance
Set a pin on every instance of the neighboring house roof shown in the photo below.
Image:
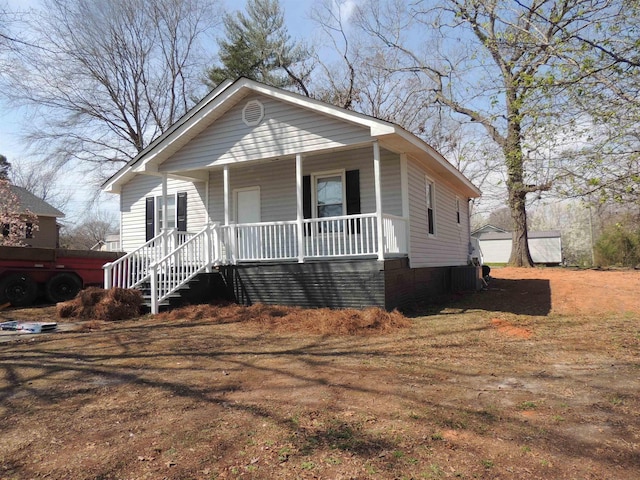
(228, 94)
(508, 235)
(28, 201)
(488, 228)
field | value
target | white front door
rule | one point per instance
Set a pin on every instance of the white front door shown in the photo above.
(248, 205)
(248, 211)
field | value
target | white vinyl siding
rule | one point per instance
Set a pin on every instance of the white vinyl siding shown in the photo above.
(285, 130)
(543, 250)
(133, 207)
(496, 251)
(450, 245)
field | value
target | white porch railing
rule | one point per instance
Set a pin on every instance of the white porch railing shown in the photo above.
(262, 241)
(172, 259)
(345, 236)
(195, 255)
(132, 269)
(395, 234)
(354, 235)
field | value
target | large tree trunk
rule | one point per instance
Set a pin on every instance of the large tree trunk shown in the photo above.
(520, 256)
(517, 190)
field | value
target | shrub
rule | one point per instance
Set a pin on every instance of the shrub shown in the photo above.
(618, 246)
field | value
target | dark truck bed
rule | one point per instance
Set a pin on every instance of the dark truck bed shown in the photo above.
(59, 274)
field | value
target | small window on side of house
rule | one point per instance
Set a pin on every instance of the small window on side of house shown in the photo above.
(430, 197)
(457, 210)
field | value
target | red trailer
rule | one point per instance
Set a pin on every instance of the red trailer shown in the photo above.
(58, 274)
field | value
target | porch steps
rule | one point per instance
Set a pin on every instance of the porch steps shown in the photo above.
(203, 288)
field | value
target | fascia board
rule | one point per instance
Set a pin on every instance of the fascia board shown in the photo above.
(425, 147)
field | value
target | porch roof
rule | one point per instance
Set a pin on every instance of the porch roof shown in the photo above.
(228, 94)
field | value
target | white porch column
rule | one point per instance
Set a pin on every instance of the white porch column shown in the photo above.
(299, 209)
(165, 212)
(226, 194)
(378, 191)
(406, 214)
(230, 231)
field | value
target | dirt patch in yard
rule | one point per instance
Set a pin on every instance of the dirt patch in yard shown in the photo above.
(535, 378)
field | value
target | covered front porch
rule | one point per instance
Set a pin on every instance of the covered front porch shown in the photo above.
(328, 225)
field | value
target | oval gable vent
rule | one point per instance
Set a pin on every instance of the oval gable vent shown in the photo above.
(252, 113)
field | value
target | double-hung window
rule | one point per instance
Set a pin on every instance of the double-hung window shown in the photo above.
(329, 195)
(329, 199)
(332, 194)
(430, 198)
(176, 214)
(171, 213)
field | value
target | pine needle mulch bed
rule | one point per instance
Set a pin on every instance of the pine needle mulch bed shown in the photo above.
(321, 321)
(508, 383)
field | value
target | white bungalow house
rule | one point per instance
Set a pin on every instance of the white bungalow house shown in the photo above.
(293, 201)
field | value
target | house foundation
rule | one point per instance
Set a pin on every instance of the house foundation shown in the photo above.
(344, 283)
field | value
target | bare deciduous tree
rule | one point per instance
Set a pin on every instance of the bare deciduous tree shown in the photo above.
(89, 231)
(375, 80)
(42, 179)
(503, 65)
(103, 79)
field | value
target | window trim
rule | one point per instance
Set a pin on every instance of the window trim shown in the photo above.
(157, 209)
(314, 190)
(430, 204)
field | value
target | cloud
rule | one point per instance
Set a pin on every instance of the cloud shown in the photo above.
(346, 9)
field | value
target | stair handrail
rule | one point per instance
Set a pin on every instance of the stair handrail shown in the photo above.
(197, 254)
(132, 269)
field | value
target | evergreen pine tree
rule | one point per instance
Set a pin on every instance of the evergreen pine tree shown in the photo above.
(258, 46)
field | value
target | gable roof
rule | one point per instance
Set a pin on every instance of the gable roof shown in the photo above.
(228, 94)
(530, 235)
(486, 228)
(36, 205)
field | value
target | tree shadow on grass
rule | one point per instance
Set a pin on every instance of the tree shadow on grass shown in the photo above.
(521, 297)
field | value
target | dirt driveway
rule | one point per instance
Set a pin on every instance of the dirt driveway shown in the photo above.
(536, 378)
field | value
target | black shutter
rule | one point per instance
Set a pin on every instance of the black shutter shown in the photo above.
(149, 218)
(181, 215)
(306, 201)
(6, 229)
(352, 178)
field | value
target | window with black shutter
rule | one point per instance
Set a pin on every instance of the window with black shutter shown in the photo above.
(335, 194)
(150, 227)
(181, 212)
(306, 201)
(430, 197)
(352, 180)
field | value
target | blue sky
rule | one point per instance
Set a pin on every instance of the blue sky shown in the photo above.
(14, 120)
